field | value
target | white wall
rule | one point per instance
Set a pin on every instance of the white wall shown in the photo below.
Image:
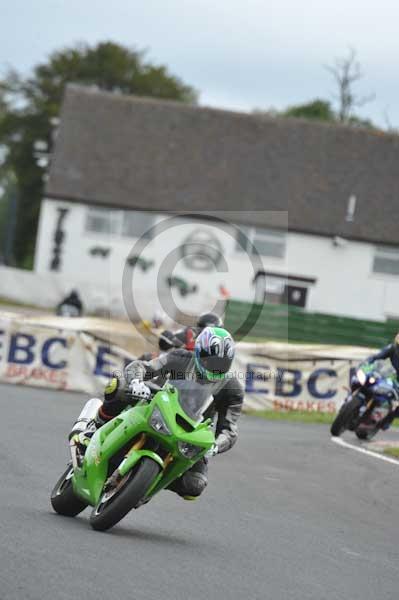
(345, 282)
(46, 290)
(79, 265)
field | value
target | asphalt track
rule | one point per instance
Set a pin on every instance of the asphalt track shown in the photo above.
(287, 515)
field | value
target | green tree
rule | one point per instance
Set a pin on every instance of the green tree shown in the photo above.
(28, 107)
(318, 110)
(346, 72)
(321, 110)
(7, 217)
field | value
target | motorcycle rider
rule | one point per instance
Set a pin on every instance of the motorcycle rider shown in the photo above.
(391, 352)
(166, 341)
(72, 303)
(209, 364)
(185, 337)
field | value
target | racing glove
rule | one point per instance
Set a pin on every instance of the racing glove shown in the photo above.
(138, 390)
(212, 452)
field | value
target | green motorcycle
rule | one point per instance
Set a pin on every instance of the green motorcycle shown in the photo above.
(137, 454)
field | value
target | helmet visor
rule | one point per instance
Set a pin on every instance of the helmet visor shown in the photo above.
(215, 364)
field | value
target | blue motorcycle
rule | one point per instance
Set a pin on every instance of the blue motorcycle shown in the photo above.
(372, 402)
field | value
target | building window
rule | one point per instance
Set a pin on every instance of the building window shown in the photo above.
(126, 223)
(102, 220)
(137, 224)
(386, 260)
(281, 288)
(269, 243)
(264, 241)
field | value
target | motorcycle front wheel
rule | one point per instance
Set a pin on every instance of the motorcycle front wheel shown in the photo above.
(111, 508)
(63, 499)
(345, 416)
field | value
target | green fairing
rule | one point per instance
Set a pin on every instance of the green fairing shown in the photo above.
(89, 479)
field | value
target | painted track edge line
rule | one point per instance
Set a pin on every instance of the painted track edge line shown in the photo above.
(344, 444)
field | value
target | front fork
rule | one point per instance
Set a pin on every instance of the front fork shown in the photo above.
(385, 422)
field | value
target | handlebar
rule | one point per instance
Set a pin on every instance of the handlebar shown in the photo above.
(154, 387)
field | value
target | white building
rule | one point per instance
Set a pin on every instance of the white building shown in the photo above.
(275, 210)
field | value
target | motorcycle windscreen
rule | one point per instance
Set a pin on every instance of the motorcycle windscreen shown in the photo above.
(194, 397)
(383, 368)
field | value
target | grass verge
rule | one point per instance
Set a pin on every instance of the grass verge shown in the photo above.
(296, 416)
(303, 416)
(11, 303)
(392, 452)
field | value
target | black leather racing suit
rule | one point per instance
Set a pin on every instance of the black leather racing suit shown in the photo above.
(388, 352)
(385, 353)
(226, 407)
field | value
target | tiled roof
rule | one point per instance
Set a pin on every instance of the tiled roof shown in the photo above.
(148, 154)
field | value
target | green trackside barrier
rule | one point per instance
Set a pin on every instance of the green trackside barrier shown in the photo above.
(292, 324)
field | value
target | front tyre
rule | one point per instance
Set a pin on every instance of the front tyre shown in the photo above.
(112, 508)
(63, 498)
(347, 413)
(365, 433)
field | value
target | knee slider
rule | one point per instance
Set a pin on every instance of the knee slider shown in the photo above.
(111, 388)
(194, 483)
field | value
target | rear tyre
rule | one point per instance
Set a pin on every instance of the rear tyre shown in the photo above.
(345, 416)
(63, 498)
(109, 512)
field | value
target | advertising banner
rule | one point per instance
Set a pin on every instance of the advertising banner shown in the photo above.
(279, 376)
(275, 376)
(56, 358)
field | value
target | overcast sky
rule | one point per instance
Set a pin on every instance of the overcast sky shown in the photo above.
(239, 55)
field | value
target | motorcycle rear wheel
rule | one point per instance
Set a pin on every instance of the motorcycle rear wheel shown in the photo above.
(109, 512)
(63, 499)
(345, 415)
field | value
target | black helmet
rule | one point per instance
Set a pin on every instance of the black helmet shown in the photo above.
(166, 340)
(209, 319)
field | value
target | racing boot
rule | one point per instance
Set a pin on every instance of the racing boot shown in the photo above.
(84, 428)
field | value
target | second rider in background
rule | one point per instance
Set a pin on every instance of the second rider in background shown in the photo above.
(184, 337)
